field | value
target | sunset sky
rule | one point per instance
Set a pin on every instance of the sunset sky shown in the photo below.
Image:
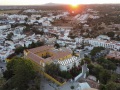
(38, 2)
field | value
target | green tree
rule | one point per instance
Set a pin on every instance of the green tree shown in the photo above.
(113, 77)
(52, 68)
(83, 44)
(32, 45)
(19, 50)
(82, 62)
(90, 66)
(9, 36)
(65, 74)
(72, 87)
(111, 34)
(8, 74)
(26, 19)
(102, 87)
(104, 76)
(38, 32)
(111, 86)
(23, 72)
(107, 64)
(87, 60)
(38, 43)
(37, 18)
(96, 50)
(95, 70)
(57, 45)
(27, 29)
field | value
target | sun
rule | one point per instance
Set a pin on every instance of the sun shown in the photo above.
(74, 5)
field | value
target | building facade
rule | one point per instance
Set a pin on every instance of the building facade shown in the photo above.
(48, 54)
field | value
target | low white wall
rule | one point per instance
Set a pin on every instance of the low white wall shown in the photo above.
(77, 77)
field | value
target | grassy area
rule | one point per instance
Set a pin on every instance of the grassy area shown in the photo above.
(9, 11)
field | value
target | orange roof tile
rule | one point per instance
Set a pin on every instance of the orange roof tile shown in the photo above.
(57, 54)
(40, 49)
(34, 57)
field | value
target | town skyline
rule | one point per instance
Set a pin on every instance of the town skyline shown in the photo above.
(72, 2)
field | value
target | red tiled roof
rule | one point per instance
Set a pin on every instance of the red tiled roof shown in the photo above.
(40, 49)
(57, 54)
(114, 54)
(61, 54)
(34, 57)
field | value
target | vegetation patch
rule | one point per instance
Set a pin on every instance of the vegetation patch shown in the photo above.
(54, 71)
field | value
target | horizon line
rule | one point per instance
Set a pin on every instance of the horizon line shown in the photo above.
(58, 4)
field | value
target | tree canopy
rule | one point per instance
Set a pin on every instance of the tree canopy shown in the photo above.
(96, 50)
(20, 71)
(104, 76)
(57, 45)
(9, 36)
(111, 34)
(107, 64)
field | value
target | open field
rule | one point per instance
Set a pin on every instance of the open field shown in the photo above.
(63, 22)
(9, 11)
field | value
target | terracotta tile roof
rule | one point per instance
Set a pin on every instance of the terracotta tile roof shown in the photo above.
(34, 57)
(40, 49)
(109, 56)
(57, 54)
(114, 54)
(61, 54)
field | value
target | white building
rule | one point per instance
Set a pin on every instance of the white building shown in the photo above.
(30, 11)
(46, 23)
(35, 16)
(100, 41)
(19, 17)
(62, 56)
(4, 53)
(4, 27)
(103, 37)
(67, 64)
(79, 40)
(104, 43)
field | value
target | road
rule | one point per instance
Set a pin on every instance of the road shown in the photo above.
(3, 65)
(84, 70)
(46, 85)
(82, 53)
(118, 70)
(68, 85)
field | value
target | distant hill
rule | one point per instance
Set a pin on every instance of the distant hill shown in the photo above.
(52, 4)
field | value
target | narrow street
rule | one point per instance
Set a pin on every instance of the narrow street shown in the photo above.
(2, 68)
(118, 70)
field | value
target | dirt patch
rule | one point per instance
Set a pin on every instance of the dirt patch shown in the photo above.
(9, 11)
